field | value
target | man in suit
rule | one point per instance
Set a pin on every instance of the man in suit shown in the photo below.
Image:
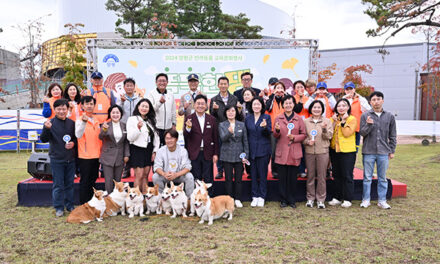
(246, 80)
(201, 141)
(217, 109)
(187, 99)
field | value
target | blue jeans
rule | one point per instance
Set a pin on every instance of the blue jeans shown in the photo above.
(63, 173)
(382, 184)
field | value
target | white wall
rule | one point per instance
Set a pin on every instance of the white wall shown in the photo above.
(394, 76)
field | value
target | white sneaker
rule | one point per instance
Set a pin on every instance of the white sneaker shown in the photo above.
(334, 202)
(365, 204)
(384, 205)
(260, 202)
(254, 201)
(309, 203)
(320, 205)
(346, 204)
(238, 204)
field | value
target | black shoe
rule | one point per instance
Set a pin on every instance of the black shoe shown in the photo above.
(293, 205)
(275, 175)
(283, 205)
(219, 175)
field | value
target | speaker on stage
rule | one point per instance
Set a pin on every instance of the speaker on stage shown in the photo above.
(39, 166)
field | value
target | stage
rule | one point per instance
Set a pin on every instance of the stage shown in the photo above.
(35, 192)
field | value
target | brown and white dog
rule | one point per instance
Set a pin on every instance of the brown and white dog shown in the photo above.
(115, 202)
(203, 187)
(152, 199)
(213, 208)
(93, 209)
(179, 200)
(134, 202)
(165, 201)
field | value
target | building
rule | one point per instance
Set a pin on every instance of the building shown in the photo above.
(397, 75)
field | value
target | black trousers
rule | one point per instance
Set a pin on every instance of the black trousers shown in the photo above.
(161, 133)
(343, 166)
(287, 175)
(233, 172)
(89, 169)
(203, 170)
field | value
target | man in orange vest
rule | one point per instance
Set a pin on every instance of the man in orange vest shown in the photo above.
(89, 148)
(104, 97)
(358, 104)
(324, 96)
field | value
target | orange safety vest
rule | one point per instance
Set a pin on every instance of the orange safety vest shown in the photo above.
(51, 101)
(328, 110)
(276, 110)
(356, 111)
(103, 102)
(304, 112)
(75, 113)
(89, 145)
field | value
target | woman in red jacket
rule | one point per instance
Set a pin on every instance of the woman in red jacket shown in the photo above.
(290, 131)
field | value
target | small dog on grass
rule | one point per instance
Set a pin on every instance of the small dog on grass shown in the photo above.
(152, 199)
(93, 209)
(134, 202)
(115, 202)
(165, 201)
(209, 209)
(203, 187)
(179, 200)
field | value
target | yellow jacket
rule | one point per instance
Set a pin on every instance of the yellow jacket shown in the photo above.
(344, 137)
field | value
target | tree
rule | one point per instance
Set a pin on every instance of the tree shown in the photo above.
(73, 59)
(30, 58)
(432, 85)
(327, 73)
(236, 27)
(353, 74)
(392, 16)
(146, 18)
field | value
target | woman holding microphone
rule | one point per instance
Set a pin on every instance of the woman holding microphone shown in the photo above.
(319, 133)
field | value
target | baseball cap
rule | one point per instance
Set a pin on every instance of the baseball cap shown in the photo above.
(96, 75)
(273, 80)
(349, 85)
(193, 77)
(321, 85)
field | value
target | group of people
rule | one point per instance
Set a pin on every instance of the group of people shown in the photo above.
(308, 131)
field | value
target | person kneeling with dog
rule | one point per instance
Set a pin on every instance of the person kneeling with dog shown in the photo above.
(172, 164)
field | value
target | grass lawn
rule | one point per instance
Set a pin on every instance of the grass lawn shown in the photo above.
(409, 232)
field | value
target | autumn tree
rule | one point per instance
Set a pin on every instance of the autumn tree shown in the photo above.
(354, 74)
(72, 60)
(327, 73)
(392, 16)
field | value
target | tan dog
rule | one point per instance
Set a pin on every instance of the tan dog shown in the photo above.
(93, 209)
(134, 202)
(115, 202)
(165, 201)
(179, 200)
(152, 199)
(203, 187)
(213, 208)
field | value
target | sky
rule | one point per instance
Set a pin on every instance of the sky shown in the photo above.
(336, 23)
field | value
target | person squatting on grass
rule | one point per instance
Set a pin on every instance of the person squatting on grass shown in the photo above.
(378, 129)
(60, 133)
(172, 164)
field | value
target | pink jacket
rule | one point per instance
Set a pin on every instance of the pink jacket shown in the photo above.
(287, 152)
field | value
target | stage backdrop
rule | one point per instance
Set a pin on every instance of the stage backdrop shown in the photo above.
(209, 64)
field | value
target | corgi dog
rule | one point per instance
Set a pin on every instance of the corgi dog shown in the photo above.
(165, 201)
(213, 208)
(115, 202)
(93, 209)
(203, 187)
(152, 199)
(179, 200)
(134, 202)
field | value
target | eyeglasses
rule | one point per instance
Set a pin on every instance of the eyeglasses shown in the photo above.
(246, 79)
